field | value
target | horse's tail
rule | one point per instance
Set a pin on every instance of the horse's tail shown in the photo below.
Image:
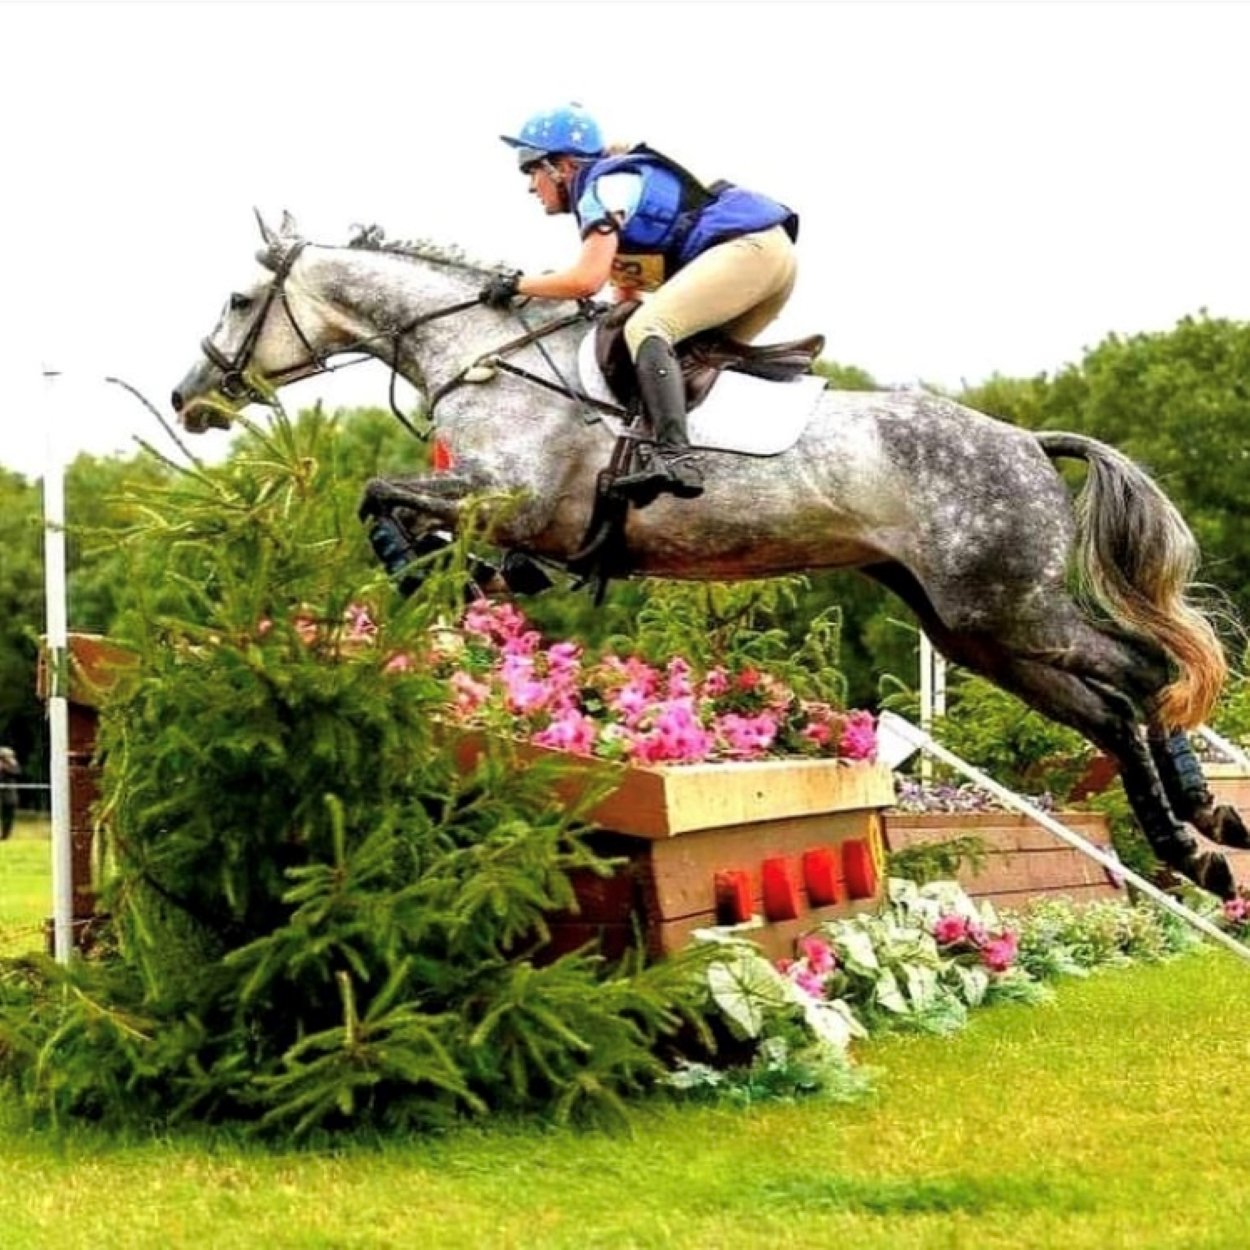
(1136, 558)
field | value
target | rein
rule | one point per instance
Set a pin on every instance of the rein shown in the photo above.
(495, 360)
(236, 386)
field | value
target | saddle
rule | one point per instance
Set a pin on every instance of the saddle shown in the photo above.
(702, 357)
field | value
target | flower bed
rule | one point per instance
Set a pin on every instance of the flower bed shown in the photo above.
(503, 678)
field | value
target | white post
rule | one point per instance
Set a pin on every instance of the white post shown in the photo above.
(901, 734)
(57, 660)
(926, 698)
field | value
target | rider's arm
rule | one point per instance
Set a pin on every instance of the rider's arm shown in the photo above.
(585, 277)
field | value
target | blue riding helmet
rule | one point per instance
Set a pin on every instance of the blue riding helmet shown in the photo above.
(564, 131)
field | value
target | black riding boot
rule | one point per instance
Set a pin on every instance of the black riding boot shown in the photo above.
(670, 465)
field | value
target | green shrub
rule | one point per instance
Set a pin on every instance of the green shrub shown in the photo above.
(317, 918)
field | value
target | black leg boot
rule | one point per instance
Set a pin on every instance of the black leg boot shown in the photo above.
(1189, 794)
(1170, 840)
(671, 465)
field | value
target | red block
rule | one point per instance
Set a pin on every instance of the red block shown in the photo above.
(820, 875)
(441, 458)
(733, 896)
(861, 872)
(781, 895)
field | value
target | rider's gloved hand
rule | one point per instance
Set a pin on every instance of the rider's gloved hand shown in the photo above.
(500, 290)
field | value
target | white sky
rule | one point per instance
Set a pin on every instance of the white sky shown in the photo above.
(984, 187)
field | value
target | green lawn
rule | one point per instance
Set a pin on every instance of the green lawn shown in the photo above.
(25, 889)
(1116, 1117)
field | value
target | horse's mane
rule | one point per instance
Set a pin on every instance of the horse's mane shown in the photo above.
(373, 239)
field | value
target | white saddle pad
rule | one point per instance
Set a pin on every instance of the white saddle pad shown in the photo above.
(744, 414)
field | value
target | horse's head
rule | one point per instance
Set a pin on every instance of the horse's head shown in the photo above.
(271, 332)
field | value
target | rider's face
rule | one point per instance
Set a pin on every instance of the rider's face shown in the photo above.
(547, 182)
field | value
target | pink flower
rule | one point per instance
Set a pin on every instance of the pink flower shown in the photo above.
(1237, 910)
(469, 693)
(817, 732)
(562, 657)
(746, 736)
(525, 642)
(859, 737)
(715, 684)
(1000, 953)
(675, 735)
(571, 731)
(809, 981)
(526, 695)
(359, 622)
(679, 684)
(950, 929)
(818, 954)
(630, 703)
(400, 662)
(497, 621)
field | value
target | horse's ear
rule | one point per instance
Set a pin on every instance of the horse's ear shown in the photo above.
(277, 242)
(266, 233)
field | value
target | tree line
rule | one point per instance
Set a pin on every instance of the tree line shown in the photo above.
(1176, 401)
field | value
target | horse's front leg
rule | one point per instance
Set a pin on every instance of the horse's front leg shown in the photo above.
(409, 518)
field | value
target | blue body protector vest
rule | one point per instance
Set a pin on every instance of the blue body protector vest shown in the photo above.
(676, 218)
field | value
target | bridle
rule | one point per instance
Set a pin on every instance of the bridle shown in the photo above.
(234, 384)
(238, 387)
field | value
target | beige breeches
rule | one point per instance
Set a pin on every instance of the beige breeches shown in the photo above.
(738, 286)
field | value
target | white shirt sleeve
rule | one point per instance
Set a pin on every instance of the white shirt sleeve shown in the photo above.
(619, 194)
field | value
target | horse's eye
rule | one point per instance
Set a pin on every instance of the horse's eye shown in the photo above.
(240, 303)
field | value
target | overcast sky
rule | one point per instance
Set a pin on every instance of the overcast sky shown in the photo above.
(984, 187)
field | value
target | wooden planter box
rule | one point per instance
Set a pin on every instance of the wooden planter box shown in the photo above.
(774, 845)
(777, 846)
(1023, 861)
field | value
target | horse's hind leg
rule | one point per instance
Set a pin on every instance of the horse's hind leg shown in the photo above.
(1109, 720)
(1073, 674)
(1127, 663)
(1130, 664)
(1187, 789)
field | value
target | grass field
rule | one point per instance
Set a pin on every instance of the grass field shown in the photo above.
(1118, 1117)
(25, 892)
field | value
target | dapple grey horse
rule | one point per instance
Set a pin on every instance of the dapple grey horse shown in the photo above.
(964, 517)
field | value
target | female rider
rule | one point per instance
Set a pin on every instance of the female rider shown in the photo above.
(709, 257)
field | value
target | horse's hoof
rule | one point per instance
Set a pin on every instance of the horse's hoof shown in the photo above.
(1211, 871)
(1228, 829)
